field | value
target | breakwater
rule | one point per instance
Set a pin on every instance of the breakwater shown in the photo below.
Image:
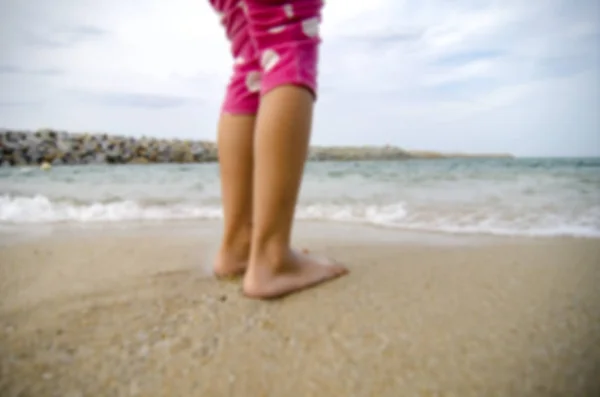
(47, 146)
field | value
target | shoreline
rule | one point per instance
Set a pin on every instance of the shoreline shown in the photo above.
(336, 231)
(137, 312)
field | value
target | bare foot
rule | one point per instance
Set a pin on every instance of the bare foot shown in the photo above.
(232, 263)
(299, 271)
(229, 264)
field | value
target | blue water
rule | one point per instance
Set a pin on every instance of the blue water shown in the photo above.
(492, 196)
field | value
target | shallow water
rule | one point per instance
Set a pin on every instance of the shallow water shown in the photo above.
(536, 197)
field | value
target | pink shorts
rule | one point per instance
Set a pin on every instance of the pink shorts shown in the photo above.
(273, 43)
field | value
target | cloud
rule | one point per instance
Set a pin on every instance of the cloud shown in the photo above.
(14, 104)
(13, 69)
(137, 100)
(61, 36)
(459, 58)
(464, 75)
(390, 39)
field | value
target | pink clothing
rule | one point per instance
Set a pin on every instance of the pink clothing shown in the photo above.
(273, 42)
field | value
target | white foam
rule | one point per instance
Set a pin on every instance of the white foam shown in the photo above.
(41, 210)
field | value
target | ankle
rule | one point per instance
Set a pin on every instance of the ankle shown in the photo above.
(237, 243)
(272, 253)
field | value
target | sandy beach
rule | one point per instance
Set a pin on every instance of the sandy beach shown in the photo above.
(109, 311)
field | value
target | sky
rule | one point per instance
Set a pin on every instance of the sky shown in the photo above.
(513, 76)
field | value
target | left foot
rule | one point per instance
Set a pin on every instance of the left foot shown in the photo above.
(232, 259)
(229, 264)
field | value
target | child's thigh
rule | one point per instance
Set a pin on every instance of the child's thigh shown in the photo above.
(286, 35)
(243, 90)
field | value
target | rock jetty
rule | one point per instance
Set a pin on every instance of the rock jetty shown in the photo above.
(63, 148)
(47, 146)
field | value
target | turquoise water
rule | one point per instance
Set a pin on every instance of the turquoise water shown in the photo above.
(492, 196)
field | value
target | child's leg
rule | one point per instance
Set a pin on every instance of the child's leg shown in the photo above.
(286, 37)
(235, 140)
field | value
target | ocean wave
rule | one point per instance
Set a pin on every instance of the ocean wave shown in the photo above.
(40, 209)
(18, 210)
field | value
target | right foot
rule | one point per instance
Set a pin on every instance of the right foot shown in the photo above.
(297, 272)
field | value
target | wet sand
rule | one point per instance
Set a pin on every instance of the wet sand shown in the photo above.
(134, 312)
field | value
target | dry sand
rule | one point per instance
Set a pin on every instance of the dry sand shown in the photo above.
(134, 313)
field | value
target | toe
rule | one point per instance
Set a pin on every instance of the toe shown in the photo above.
(340, 270)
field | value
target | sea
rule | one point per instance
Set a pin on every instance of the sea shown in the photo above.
(510, 197)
